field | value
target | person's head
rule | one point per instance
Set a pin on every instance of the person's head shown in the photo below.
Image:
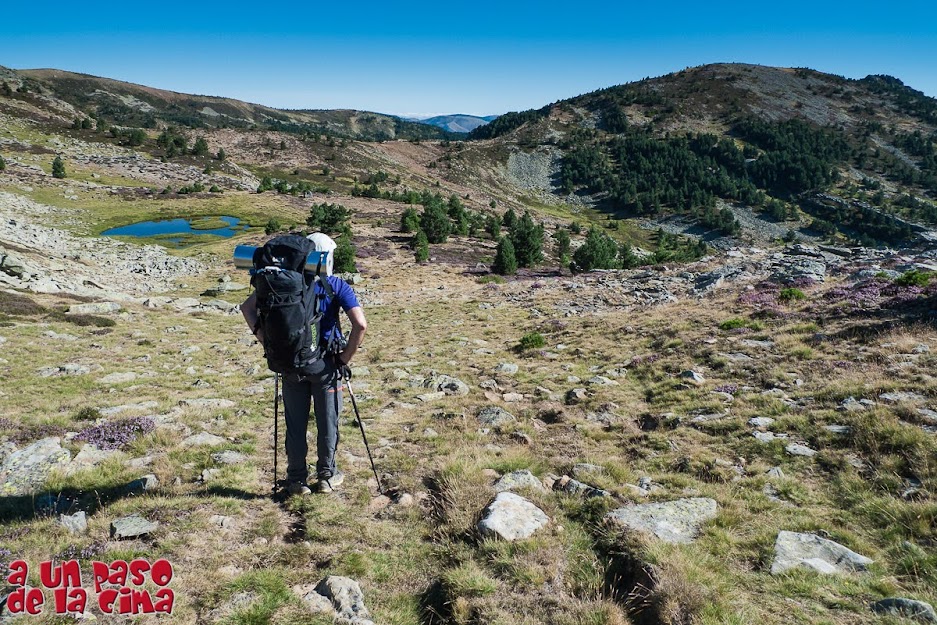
(324, 243)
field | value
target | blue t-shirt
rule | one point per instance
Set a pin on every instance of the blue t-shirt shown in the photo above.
(343, 297)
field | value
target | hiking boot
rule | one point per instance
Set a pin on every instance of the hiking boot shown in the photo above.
(298, 488)
(328, 484)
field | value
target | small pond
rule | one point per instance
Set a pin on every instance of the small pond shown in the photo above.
(177, 231)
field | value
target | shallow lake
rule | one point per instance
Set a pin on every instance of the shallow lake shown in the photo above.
(223, 226)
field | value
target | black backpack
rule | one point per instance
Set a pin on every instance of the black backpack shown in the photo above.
(287, 307)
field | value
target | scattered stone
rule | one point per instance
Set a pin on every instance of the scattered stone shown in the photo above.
(575, 487)
(346, 597)
(132, 526)
(146, 483)
(507, 368)
(224, 522)
(907, 608)
(428, 397)
(203, 438)
(118, 378)
(27, 469)
(66, 369)
(675, 521)
(115, 410)
(378, 503)
(775, 472)
(693, 377)
(512, 397)
(850, 404)
(518, 480)
(899, 397)
(760, 422)
(446, 384)
(208, 475)
(93, 308)
(796, 449)
(494, 416)
(793, 549)
(89, 456)
(842, 430)
(228, 456)
(207, 403)
(600, 380)
(55, 336)
(430, 433)
(511, 517)
(75, 523)
(575, 396)
(587, 469)
(522, 438)
(768, 437)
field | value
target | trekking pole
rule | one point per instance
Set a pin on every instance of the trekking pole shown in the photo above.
(354, 404)
(276, 422)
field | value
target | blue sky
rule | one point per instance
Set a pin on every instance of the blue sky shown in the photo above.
(423, 59)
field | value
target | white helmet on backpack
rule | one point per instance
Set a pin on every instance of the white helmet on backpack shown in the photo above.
(324, 243)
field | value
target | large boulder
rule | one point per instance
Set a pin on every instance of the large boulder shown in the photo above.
(494, 416)
(511, 517)
(346, 597)
(675, 521)
(907, 608)
(26, 469)
(793, 550)
(446, 384)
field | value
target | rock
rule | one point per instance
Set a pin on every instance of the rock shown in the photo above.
(66, 369)
(511, 517)
(850, 404)
(132, 526)
(208, 475)
(428, 397)
(89, 456)
(675, 521)
(601, 381)
(796, 449)
(93, 308)
(207, 403)
(506, 368)
(793, 549)
(494, 416)
(518, 480)
(512, 397)
(316, 603)
(115, 410)
(907, 608)
(775, 472)
(522, 438)
(75, 523)
(842, 430)
(768, 437)
(584, 468)
(898, 397)
(575, 487)
(446, 384)
(118, 378)
(345, 595)
(228, 456)
(26, 469)
(204, 438)
(378, 503)
(760, 422)
(11, 265)
(146, 483)
(693, 377)
(224, 522)
(405, 500)
(575, 396)
(191, 349)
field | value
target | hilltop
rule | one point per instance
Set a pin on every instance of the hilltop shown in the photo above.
(722, 426)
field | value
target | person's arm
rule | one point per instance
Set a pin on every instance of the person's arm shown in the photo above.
(358, 327)
(249, 311)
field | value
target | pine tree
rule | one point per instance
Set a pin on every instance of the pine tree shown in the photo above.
(137, 137)
(627, 258)
(221, 154)
(7, 90)
(58, 167)
(420, 246)
(527, 238)
(410, 220)
(510, 219)
(561, 237)
(201, 147)
(505, 262)
(435, 222)
(598, 252)
(344, 254)
(3, 164)
(493, 227)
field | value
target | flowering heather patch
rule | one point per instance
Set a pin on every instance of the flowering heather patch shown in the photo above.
(83, 553)
(116, 434)
(801, 283)
(6, 424)
(764, 295)
(731, 389)
(878, 293)
(36, 432)
(637, 361)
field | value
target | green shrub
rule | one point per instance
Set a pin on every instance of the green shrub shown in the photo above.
(409, 220)
(732, 324)
(420, 246)
(58, 167)
(273, 225)
(598, 252)
(790, 294)
(915, 277)
(435, 222)
(532, 340)
(3, 164)
(88, 413)
(491, 278)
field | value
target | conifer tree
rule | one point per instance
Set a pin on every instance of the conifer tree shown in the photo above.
(505, 262)
(58, 167)
(527, 238)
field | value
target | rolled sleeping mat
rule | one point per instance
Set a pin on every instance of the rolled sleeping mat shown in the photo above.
(244, 259)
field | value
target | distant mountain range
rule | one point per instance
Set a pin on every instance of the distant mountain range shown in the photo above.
(454, 123)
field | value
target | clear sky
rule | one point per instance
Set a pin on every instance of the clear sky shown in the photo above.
(423, 59)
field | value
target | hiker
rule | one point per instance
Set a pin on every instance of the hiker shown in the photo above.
(319, 382)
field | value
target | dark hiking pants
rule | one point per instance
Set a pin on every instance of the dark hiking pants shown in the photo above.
(323, 391)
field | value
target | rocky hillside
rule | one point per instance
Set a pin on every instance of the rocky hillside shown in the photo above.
(744, 432)
(56, 94)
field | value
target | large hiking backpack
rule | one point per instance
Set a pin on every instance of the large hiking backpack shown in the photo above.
(288, 310)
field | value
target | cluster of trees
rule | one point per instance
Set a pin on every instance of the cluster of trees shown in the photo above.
(522, 246)
(908, 100)
(439, 219)
(333, 220)
(284, 187)
(600, 251)
(868, 225)
(508, 122)
(175, 144)
(918, 208)
(82, 124)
